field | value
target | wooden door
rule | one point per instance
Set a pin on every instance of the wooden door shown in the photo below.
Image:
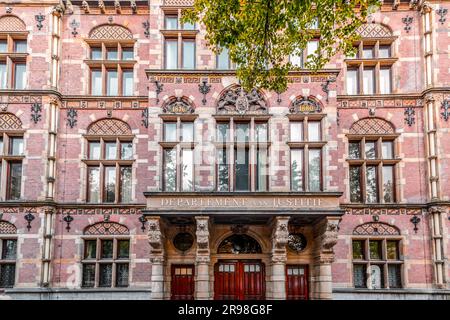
(239, 280)
(296, 282)
(182, 282)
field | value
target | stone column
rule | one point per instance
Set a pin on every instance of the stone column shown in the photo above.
(325, 237)
(156, 240)
(280, 234)
(439, 259)
(202, 259)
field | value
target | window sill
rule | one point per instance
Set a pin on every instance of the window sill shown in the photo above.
(310, 144)
(110, 63)
(90, 162)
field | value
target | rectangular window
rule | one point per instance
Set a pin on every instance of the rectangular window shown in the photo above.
(242, 169)
(296, 129)
(359, 276)
(387, 150)
(297, 169)
(187, 165)
(20, 76)
(355, 184)
(170, 170)
(88, 275)
(371, 184)
(125, 184)
(371, 149)
(261, 132)
(112, 54)
(96, 83)
(3, 76)
(126, 150)
(388, 184)
(354, 150)
(352, 81)
(16, 146)
(392, 250)
(96, 53)
(170, 132)
(187, 131)
(188, 26)
(385, 81)
(223, 60)
(375, 249)
(171, 22)
(9, 249)
(94, 150)
(188, 54)
(368, 81)
(122, 274)
(127, 54)
(105, 275)
(110, 150)
(123, 249)
(222, 170)
(261, 169)
(20, 46)
(90, 249)
(15, 181)
(314, 170)
(93, 184)
(107, 249)
(171, 54)
(384, 52)
(112, 84)
(3, 46)
(242, 132)
(296, 59)
(110, 184)
(358, 249)
(311, 48)
(314, 131)
(368, 52)
(222, 132)
(127, 83)
(394, 276)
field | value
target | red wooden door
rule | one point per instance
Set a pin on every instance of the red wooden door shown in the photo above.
(239, 280)
(183, 282)
(297, 282)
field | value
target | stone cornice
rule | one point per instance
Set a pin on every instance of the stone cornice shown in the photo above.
(228, 73)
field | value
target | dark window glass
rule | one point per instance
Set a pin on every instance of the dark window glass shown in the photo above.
(170, 170)
(354, 150)
(7, 275)
(90, 249)
(297, 169)
(222, 170)
(222, 132)
(123, 249)
(358, 249)
(16, 146)
(371, 149)
(375, 249)
(371, 184)
(122, 275)
(105, 276)
(107, 249)
(355, 184)
(314, 169)
(110, 184)
(15, 180)
(392, 250)
(242, 169)
(88, 275)
(394, 276)
(9, 249)
(359, 276)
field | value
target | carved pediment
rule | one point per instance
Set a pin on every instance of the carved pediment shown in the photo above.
(237, 100)
(305, 105)
(178, 105)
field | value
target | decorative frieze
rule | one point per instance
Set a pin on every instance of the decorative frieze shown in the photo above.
(383, 211)
(99, 211)
(379, 103)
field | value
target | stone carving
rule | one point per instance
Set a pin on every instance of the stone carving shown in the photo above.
(85, 6)
(305, 105)
(280, 235)
(155, 236)
(407, 21)
(330, 236)
(410, 116)
(202, 232)
(442, 12)
(445, 107)
(178, 105)
(39, 19)
(435, 209)
(36, 110)
(237, 100)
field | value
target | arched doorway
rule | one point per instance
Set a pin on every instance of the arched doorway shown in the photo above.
(239, 279)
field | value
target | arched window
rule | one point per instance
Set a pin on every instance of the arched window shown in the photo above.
(111, 61)
(239, 244)
(377, 256)
(109, 161)
(369, 71)
(13, 53)
(8, 253)
(372, 161)
(106, 255)
(11, 156)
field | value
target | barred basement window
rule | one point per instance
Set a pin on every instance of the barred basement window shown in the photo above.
(377, 263)
(106, 262)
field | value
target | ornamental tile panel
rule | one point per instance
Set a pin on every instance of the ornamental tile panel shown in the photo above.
(109, 127)
(12, 24)
(374, 126)
(376, 229)
(7, 228)
(111, 32)
(374, 30)
(8, 121)
(179, 3)
(106, 228)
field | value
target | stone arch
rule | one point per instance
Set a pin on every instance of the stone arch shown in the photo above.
(110, 32)
(10, 23)
(106, 228)
(7, 228)
(234, 99)
(234, 243)
(374, 30)
(9, 121)
(375, 126)
(178, 105)
(109, 127)
(376, 229)
(303, 104)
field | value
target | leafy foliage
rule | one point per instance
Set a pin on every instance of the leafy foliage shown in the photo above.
(261, 34)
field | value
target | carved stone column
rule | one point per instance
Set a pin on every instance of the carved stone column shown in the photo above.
(439, 259)
(156, 240)
(202, 259)
(280, 235)
(325, 237)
